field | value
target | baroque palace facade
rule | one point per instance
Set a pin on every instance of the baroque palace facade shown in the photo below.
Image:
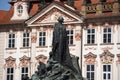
(93, 28)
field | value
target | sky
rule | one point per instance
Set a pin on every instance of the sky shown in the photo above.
(4, 5)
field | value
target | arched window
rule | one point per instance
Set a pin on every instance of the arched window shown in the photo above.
(20, 9)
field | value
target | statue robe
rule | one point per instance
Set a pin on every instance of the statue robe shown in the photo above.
(60, 45)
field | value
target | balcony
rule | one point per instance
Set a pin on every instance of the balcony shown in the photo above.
(101, 8)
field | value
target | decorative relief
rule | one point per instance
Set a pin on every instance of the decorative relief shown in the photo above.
(53, 15)
(33, 37)
(118, 61)
(77, 36)
(42, 50)
(10, 62)
(71, 49)
(106, 57)
(90, 48)
(24, 61)
(25, 52)
(90, 58)
(107, 48)
(70, 26)
(41, 58)
(11, 52)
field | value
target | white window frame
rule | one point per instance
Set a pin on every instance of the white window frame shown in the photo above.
(24, 72)
(20, 9)
(90, 71)
(118, 34)
(27, 39)
(107, 72)
(10, 40)
(91, 34)
(69, 35)
(43, 43)
(107, 33)
(9, 74)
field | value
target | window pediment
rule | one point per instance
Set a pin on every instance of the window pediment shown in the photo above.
(41, 58)
(10, 62)
(10, 58)
(24, 61)
(106, 57)
(90, 58)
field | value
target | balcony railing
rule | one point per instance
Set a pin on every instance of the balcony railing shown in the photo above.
(107, 6)
(104, 7)
(91, 8)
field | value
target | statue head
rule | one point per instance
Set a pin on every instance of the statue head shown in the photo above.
(60, 19)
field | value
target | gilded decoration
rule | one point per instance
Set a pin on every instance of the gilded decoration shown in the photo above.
(41, 58)
(106, 57)
(90, 58)
(118, 61)
(24, 61)
(33, 37)
(10, 62)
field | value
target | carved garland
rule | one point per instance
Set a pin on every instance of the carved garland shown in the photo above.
(10, 62)
(106, 57)
(90, 58)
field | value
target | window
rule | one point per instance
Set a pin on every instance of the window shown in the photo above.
(90, 72)
(20, 9)
(107, 35)
(26, 39)
(42, 38)
(90, 36)
(107, 72)
(10, 72)
(11, 42)
(24, 72)
(70, 36)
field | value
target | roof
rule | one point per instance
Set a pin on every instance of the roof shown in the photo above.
(5, 16)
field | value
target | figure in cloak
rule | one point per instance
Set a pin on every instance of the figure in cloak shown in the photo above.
(60, 45)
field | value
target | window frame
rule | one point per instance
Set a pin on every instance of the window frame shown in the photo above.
(90, 71)
(11, 40)
(42, 37)
(10, 74)
(24, 71)
(70, 36)
(26, 38)
(91, 34)
(20, 9)
(107, 33)
(105, 72)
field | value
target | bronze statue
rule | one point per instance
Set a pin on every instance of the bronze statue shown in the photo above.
(60, 43)
(60, 64)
